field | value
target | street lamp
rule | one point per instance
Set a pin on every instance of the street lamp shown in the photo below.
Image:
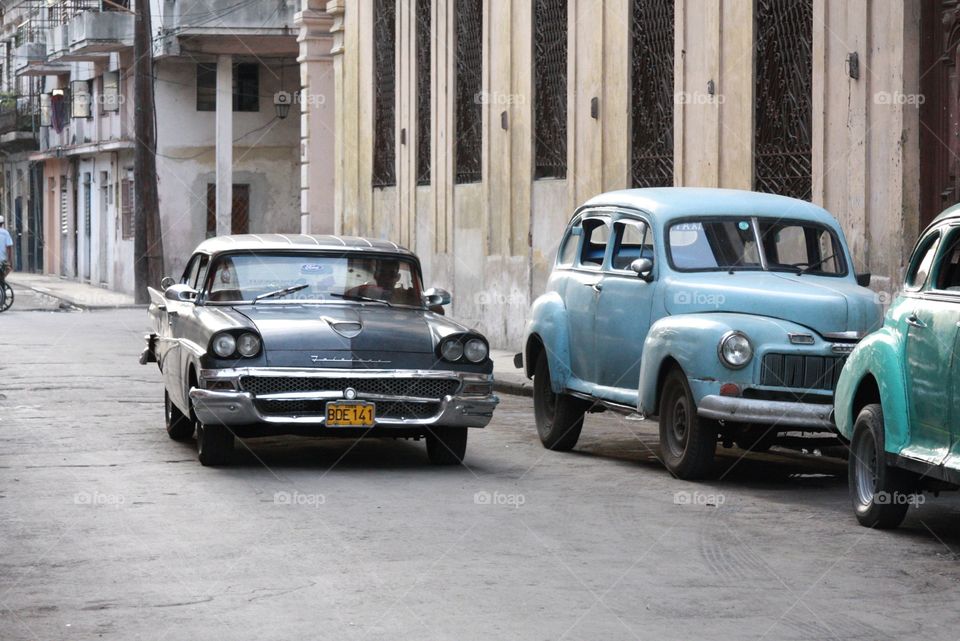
(281, 102)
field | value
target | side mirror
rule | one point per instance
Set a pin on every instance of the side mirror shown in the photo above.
(167, 282)
(863, 279)
(180, 293)
(642, 267)
(436, 297)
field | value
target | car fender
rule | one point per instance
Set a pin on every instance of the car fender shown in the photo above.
(877, 355)
(692, 340)
(548, 324)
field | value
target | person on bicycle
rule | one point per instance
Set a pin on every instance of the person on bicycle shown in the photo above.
(6, 246)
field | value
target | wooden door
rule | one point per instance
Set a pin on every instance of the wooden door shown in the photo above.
(240, 216)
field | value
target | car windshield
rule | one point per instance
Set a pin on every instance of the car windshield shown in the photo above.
(800, 247)
(313, 277)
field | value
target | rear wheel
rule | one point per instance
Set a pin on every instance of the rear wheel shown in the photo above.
(447, 445)
(879, 492)
(688, 443)
(559, 417)
(179, 425)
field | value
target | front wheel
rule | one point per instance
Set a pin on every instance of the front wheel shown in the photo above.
(559, 417)
(7, 297)
(879, 492)
(688, 443)
(214, 444)
(179, 425)
(447, 445)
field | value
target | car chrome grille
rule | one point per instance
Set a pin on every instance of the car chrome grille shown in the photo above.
(434, 388)
(801, 371)
(385, 409)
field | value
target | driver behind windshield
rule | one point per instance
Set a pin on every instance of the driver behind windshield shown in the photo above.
(386, 285)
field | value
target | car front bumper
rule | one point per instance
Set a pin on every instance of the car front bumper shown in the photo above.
(236, 407)
(807, 416)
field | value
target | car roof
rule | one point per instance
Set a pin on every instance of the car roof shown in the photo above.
(949, 212)
(255, 242)
(669, 203)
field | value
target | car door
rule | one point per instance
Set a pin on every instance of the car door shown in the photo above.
(582, 291)
(623, 311)
(930, 329)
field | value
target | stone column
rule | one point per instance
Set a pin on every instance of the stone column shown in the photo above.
(224, 145)
(317, 127)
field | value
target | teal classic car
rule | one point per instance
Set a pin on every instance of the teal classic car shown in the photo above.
(728, 314)
(898, 399)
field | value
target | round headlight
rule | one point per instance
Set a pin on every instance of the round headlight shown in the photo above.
(224, 345)
(248, 344)
(735, 350)
(475, 350)
(452, 350)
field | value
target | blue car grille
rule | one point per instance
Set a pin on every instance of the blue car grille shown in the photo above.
(799, 371)
(433, 388)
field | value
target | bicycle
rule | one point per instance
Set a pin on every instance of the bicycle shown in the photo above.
(6, 291)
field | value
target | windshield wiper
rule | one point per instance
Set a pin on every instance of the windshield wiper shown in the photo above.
(816, 264)
(359, 297)
(281, 292)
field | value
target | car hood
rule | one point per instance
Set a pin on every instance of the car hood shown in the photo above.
(347, 328)
(824, 304)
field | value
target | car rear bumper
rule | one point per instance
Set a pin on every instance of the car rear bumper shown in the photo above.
(809, 416)
(235, 407)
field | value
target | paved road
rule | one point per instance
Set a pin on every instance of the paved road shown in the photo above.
(109, 530)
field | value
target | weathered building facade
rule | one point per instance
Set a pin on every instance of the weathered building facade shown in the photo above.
(228, 116)
(471, 129)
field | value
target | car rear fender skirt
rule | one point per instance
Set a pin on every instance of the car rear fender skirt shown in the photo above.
(548, 324)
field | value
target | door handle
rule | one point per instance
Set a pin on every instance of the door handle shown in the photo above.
(597, 286)
(914, 321)
(162, 308)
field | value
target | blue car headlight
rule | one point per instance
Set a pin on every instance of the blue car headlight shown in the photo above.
(735, 350)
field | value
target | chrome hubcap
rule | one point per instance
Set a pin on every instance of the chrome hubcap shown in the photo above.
(865, 469)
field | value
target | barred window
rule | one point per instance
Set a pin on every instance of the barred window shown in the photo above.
(424, 93)
(783, 103)
(550, 85)
(469, 87)
(384, 88)
(652, 100)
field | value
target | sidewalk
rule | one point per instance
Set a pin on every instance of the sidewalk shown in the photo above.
(507, 378)
(72, 293)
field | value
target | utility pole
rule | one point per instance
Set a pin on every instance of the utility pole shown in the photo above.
(148, 241)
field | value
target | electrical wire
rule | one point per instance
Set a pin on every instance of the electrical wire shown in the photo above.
(235, 140)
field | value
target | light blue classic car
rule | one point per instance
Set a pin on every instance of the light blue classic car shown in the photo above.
(897, 400)
(726, 313)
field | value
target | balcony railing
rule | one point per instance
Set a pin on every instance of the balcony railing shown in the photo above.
(18, 113)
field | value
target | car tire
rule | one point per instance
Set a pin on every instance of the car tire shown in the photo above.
(179, 425)
(559, 417)
(870, 477)
(7, 297)
(214, 444)
(688, 443)
(447, 445)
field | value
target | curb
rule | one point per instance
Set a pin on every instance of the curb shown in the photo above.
(512, 387)
(72, 304)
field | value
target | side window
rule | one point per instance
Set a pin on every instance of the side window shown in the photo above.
(948, 266)
(922, 262)
(632, 241)
(596, 235)
(568, 249)
(196, 282)
(190, 272)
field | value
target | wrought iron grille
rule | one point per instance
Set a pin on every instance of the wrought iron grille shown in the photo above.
(550, 85)
(384, 88)
(652, 100)
(784, 80)
(469, 90)
(424, 93)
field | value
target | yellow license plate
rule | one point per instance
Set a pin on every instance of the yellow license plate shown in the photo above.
(350, 414)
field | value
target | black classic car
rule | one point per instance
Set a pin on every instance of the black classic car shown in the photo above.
(314, 335)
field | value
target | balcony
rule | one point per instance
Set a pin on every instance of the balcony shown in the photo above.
(17, 125)
(229, 27)
(94, 34)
